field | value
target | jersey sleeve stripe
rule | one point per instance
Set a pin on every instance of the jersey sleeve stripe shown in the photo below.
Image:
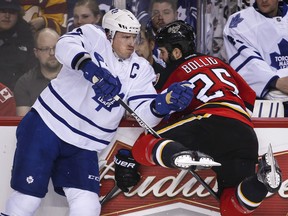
(237, 54)
(78, 59)
(246, 61)
(141, 97)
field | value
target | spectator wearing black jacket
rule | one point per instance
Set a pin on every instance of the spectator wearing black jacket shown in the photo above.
(16, 43)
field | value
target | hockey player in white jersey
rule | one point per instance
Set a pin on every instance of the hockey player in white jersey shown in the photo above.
(256, 42)
(76, 116)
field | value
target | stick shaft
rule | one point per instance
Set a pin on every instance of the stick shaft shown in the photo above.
(109, 195)
(204, 184)
(140, 121)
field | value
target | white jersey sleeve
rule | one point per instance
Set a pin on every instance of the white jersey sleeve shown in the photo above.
(69, 106)
(78, 45)
(256, 46)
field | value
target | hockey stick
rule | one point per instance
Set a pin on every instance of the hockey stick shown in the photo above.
(204, 184)
(140, 121)
(109, 195)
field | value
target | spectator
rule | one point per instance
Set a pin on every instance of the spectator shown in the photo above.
(98, 9)
(216, 122)
(31, 84)
(70, 9)
(86, 12)
(77, 115)
(256, 41)
(16, 43)
(144, 48)
(7, 101)
(49, 13)
(162, 12)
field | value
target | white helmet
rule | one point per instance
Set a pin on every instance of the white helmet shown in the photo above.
(120, 20)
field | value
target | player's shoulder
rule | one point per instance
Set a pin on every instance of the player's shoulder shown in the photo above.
(246, 16)
(89, 29)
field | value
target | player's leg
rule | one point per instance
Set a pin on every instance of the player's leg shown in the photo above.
(269, 172)
(179, 145)
(76, 175)
(229, 176)
(149, 151)
(250, 193)
(31, 168)
(20, 204)
(244, 197)
(235, 146)
(82, 202)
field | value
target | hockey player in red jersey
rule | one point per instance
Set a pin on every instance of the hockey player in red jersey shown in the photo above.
(217, 123)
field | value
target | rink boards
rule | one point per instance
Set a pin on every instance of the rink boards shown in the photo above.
(161, 191)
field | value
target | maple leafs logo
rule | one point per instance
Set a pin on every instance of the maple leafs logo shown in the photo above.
(235, 21)
(280, 60)
(108, 105)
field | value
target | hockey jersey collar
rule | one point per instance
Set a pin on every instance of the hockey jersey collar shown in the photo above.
(120, 59)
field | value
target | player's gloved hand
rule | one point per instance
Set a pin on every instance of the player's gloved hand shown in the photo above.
(177, 98)
(108, 87)
(105, 84)
(126, 170)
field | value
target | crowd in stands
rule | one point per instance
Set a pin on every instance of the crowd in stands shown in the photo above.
(26, 67)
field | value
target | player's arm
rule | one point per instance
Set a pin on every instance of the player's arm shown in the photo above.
(75, 47)
(74, 50)
(152, 107)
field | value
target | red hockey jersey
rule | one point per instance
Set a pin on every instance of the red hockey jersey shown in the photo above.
(218, 89)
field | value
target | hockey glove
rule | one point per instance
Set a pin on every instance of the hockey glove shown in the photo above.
(107, 87)
(105, 84)
(126, 170)
(177, 98)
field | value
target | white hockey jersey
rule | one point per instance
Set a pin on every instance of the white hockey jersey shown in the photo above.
(66, 105)
(257, 46)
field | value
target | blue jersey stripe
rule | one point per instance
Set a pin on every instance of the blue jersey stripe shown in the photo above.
(141, 97)
(246, 61)
(69, 126)
(84, 118)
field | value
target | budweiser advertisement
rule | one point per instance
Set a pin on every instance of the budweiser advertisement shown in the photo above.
(160, 191)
